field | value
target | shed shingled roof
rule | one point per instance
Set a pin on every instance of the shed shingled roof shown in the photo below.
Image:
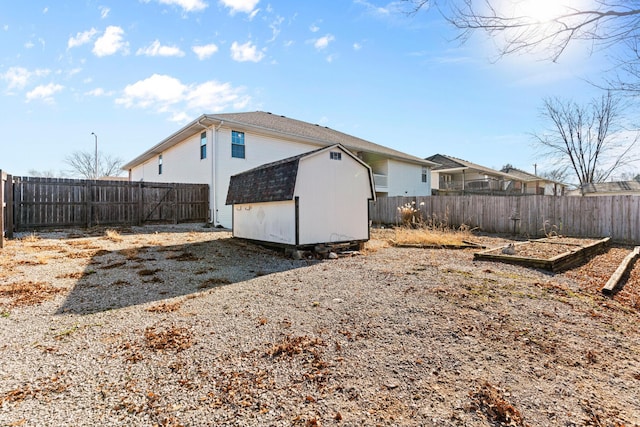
(271, 182)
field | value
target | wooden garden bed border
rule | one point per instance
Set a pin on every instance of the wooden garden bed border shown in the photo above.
(563, 261)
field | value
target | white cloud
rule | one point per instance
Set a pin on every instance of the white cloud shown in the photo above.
(187, 5)
(166, 94)
(28, 45)
(314, 28)
(377, 10)
(205, 51)
(246, 6)
(81, 38)
(156, 49)
(111, 42)
(246, 52)
(157, 90)
(275, 28)
(19, 77)
(45, 10)
(357, 46)
(5, 27)
(323, 42)
(98, 92)
(104, 11)
(44, 93)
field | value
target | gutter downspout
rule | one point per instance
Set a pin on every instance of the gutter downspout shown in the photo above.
(214, 172)
(211, 189)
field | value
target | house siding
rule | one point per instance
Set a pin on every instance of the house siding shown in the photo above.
(180, 163)
(406, 180)
(259, 150)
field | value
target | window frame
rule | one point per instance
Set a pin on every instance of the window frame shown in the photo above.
(425, 173)
(238, 146)
(335, 155)
(160, 164)
(203, 145)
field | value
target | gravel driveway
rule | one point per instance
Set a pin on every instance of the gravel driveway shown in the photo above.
(184, 325)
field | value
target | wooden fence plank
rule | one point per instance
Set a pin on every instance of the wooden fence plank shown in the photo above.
(57, 202)
(3, 206)
(617, 217)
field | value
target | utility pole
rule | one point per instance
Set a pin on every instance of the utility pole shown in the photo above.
(95, 170)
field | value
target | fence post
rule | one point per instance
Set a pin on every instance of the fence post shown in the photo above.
(8, 194)
(175, 203)
(140, 203)
(2, 207)
(87, 199)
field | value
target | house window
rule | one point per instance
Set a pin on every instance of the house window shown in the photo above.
(237, 144)
(160, 164)
(425, 171)
(333, 155)
(203, 145)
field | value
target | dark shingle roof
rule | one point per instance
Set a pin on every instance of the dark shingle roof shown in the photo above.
(445, 162)
(271, 182)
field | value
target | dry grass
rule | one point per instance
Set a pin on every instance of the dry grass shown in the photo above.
(165, 307)
(28, 293)
(113, 235)
(421, 236)
(490, 400)
(175, 338)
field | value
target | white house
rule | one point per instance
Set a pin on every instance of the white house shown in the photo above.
(212, 148)
(320, 197)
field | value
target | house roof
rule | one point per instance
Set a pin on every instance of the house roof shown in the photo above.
(526, 176)
(279, 126)
(612, 187)
(454, 164)
(272, 182)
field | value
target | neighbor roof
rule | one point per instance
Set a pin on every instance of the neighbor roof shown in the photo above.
(271, 182)
(526, 176)
(276, 125)
(612, 187)
(449, 163)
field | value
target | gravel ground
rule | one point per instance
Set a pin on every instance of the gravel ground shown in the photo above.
(183, 325)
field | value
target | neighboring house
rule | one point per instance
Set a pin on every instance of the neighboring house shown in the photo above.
(212, 148)
(616, 188)
(320, 197)
(536, 184)
(457, 176)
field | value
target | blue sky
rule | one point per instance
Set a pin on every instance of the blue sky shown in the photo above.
(134, 72)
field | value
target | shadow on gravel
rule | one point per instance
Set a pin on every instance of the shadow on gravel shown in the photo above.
(117, 279)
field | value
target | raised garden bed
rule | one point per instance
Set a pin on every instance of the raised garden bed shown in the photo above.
(552, 254)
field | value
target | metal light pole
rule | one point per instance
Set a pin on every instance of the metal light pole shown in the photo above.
(96, 158)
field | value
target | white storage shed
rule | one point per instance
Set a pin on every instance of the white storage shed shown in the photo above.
(320, 197)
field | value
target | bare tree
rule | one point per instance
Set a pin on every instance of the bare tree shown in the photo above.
(44, 173)
(82, 164)
(560, 174)
(588, 139)
(602, 23)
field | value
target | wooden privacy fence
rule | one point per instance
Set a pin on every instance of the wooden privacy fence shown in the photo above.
(35, 203)
(617, 217)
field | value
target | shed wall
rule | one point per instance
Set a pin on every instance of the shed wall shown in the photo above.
(268, 222)
(333, 199)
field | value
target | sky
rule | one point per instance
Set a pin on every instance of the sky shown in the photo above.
(133, 72)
